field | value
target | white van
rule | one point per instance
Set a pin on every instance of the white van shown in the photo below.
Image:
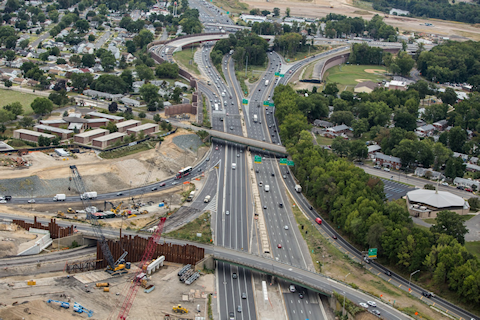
(234, 166)
(267, 188)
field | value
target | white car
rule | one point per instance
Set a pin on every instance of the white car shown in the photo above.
(286, 227)
(386, 169)
(3, 201)
(363, 304)
(227, 213)
(372, 303)
(31, 201)
(444, 184)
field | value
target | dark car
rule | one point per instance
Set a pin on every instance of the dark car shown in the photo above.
(301, 295)
(154, 188)
(460, 187)
(311, 208)
(428, 294)
(162, 184)
(273, 174)
(8, 198)
(234, 275)
(388, 273)
(280, 205)
(334, 237)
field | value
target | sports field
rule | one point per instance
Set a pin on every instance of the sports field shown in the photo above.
(348, 76)
(9, 96)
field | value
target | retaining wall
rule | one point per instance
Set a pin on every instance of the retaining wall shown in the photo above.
(55, 230)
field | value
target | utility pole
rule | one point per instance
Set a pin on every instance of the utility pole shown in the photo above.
(410, 280)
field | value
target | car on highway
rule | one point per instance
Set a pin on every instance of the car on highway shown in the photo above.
(31, 201)
(234, 275)
(265, 207)
(216, 148)
(231, 128)
(119, 194)
(3, 201)
(445, 184)
(273, 174)
(154, 188)
(174, 183)
(227, 212)
(284, 177)
(280, 205)
(377, 167)
(386, 169)
(292, 288)
(428, 294)
(388, 273)
(238, 155)
(244, 295)
(208, 159)
(260, 184)
(162, 184)
(363, 304)
(376, 312)
(366, 260)
(286, 227)
(372, 303)
(334, 237)
(301, 295)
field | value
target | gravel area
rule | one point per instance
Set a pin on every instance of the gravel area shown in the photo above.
(188, 141)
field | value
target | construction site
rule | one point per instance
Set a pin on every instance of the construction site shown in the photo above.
(101, 276)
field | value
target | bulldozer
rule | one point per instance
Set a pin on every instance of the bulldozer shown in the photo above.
(179, 309)
(60, 214)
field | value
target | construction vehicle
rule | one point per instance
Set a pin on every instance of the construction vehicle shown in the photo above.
(63, 304)
(147, 256)
(179, 309)
(70, 210)
(60, 214)
(114, 268)
(80, 309)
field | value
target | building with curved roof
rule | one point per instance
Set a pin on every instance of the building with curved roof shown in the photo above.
(427, 203)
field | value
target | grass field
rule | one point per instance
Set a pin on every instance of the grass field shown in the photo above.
(9, 96)
(190, 230)
(184, 57)
(233, 6)
(473, 248)
(463, 217)
(348, 76)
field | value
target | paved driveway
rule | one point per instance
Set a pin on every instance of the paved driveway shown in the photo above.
(473, 226)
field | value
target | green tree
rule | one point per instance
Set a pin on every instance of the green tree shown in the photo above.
(15, 108)
(44, 141)
(142, 115)
(358, 149)
(144, 72)
(42, 106)
(407, 152)
(359, 126)
(80, 81)
(112, 127)
(157, 118)
(276, 11)
(331, 89)
(342, 117)
(456, 139)
(88, 60)
(341, 146)
(450, 223)
(27, 122)
(131, 47)
(405, 121)
(8, 83)
(82, 25)
(143, 38)
(149, 92)
(91, 38)
(455, 168)
(405, 63)
(449, 96)
(287, 12)
(108, 61)
(5, 116)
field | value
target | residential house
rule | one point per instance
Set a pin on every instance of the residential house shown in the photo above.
(396, 85)
(181, 85)
(336, 131)
(472, 167)
(440, 125)
(372, 150)
(104, 95)
(425, 131)
(130, 102)
(460, 155)
(429, 173)
(466, 183)
(322, 124)
(387, 161)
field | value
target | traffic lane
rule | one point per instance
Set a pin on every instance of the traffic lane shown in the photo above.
(169, 183)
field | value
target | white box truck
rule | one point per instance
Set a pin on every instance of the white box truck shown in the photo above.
(266, 82)
(298, 188)
(207, 199)
(234, 166)
(255, 118)
(89, 195)
(267, 188)
(59, 197)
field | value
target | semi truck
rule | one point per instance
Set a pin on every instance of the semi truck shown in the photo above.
(59, 197)
(255, 118)
(89, 195)
(266, 82)
(298, 188)
(207, 199)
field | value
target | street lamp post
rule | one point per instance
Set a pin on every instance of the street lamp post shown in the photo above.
(345, 278)
(410, 280)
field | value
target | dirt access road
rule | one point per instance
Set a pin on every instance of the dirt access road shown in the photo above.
(320, 8)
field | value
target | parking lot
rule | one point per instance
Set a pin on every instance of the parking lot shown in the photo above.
(395, 190)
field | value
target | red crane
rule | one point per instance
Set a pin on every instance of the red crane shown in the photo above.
(147, 256)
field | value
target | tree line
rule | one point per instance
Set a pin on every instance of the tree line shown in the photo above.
(354, 203)
(461, 11)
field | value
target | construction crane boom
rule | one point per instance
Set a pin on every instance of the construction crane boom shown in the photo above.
(147, 256)
(97, 229)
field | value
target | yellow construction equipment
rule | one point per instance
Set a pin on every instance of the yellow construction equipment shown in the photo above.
(60, 214)
(143, 212)
(179, 309)
(70, 210)
(102, 284)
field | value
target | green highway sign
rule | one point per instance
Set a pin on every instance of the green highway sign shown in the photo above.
(290, 163)
(271, 104)
(372, 253)
(228, 12)
(265, 103)
(277, 74)
(283, 161)
(258, 159)
(281, 75)
(245, 101)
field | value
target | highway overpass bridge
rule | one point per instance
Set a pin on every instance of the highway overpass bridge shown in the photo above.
(279, 149)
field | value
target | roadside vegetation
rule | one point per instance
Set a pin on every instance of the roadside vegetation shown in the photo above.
(128, 150)
(190, 230)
